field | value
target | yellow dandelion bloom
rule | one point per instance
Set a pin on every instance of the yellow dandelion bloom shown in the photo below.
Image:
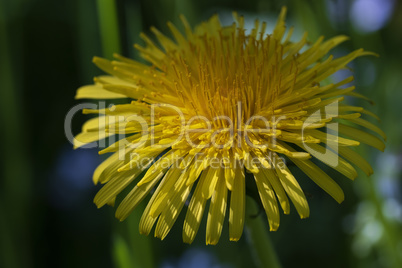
(215, 107)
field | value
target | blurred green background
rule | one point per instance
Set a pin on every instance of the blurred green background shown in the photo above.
(47, 217)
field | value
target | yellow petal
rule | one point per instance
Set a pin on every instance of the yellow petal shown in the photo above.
(216, 214)
(268, 200)
(229, 177)
(100, 123)
(85, 138)
(237, 205)
(331, 139)
(166, 192)
(136, 195)
(97, 92)
(370, 126)
(163, 163)
(292, 188)
(331, 159)
(359, 135)
(123, 144)
(210, 181)
(146, 221)
(320, 178)
(356, 159)
(194, 212)
(172, 211)
(278, 188)
(112, 160)
(166, 42)
(109, 191)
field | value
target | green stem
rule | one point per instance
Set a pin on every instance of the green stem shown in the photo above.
(109, 27)
(130, 248)
(141, 245)
(261, 244)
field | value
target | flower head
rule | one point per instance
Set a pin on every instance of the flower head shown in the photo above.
(216, 107)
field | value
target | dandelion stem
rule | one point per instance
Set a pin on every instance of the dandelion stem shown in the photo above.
(141, 245)
(258, 237)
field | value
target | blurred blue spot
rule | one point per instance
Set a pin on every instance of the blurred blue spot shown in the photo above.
(389, 169)
(369, 72)
(388, 187)
(71, 178)
(392, 209)
(195, 258)
(337, 11)
(371, 15)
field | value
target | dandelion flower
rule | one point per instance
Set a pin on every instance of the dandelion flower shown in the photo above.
(214, 107)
